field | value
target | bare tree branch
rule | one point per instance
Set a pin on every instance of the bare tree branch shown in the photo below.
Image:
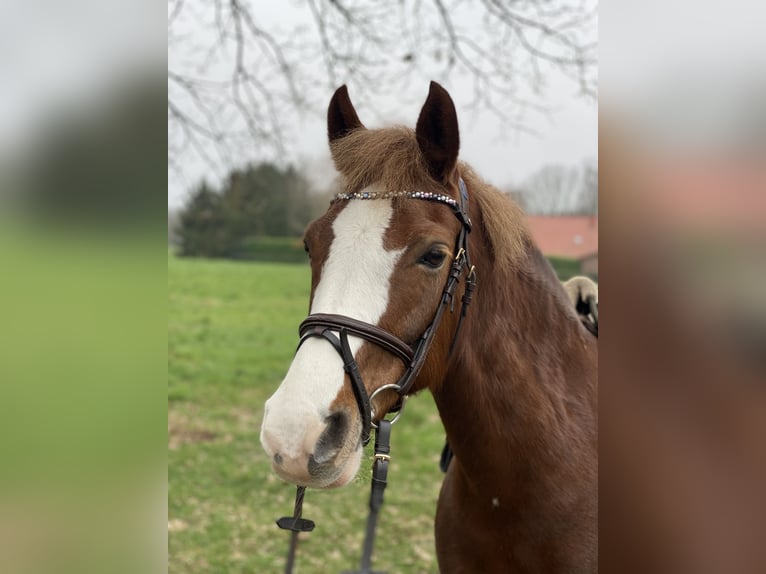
(328, 52)
(557, 189)
(238, 82)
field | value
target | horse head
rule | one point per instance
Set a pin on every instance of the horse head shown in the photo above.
(382, 261)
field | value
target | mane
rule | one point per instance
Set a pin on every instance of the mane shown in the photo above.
(392, 158)
(503, 221)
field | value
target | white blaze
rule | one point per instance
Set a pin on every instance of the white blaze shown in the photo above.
(355, 282)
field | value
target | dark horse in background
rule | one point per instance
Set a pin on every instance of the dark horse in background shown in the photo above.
(518, 392)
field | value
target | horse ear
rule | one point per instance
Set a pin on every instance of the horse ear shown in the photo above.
(437, 133)
(341, 115)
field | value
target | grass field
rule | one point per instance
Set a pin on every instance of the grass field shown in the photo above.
(231, 334)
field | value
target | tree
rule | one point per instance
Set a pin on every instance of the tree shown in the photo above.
(203, 228)
(552, 190)
(588, 201)
(558, 190)
(235, 80)
(267, 200)
(259, 200)
(97, 166)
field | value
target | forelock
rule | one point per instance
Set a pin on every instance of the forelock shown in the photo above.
(390, 157)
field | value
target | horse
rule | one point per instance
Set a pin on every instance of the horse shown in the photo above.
(514, 376)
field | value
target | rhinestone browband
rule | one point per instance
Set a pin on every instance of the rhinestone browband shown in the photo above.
(427, 195)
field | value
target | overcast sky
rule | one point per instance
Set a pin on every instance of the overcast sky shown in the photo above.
(78, 46)
(504, 156)
(501, 156)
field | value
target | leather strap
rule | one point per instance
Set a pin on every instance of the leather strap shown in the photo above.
(349, 366)
(377, 489)
(367, 331)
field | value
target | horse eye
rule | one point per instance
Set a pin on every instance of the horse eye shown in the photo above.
(433, 258)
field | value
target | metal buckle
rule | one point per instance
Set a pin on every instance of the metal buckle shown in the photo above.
(460, 255)
(381, 457)
(401, 405)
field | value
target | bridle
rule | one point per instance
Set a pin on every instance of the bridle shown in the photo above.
(413, 356)
(336, 329)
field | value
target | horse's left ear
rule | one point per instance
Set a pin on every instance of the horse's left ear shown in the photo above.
(437, 133)
(341, 115)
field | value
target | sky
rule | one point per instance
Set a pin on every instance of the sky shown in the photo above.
(75, 50)
(87, 44)
(504, 156)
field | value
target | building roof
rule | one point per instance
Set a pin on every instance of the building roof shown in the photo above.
(574, 236)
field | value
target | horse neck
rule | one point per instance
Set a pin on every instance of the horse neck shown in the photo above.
(520, 393)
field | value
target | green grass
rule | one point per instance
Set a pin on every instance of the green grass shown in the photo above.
(565, 268)
(231, 335)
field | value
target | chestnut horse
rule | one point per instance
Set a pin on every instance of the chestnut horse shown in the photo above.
(518, 391)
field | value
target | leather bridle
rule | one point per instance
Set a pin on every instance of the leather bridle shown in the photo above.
(413, 356)
(336, 329)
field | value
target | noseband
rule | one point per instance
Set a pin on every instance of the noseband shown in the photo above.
(413, 356)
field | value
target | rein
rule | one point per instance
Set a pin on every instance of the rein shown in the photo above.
(413, 356)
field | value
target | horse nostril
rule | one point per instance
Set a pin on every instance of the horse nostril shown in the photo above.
(277, 458)
(332, 438)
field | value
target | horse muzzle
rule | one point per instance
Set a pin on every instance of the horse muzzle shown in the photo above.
(326, 454)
